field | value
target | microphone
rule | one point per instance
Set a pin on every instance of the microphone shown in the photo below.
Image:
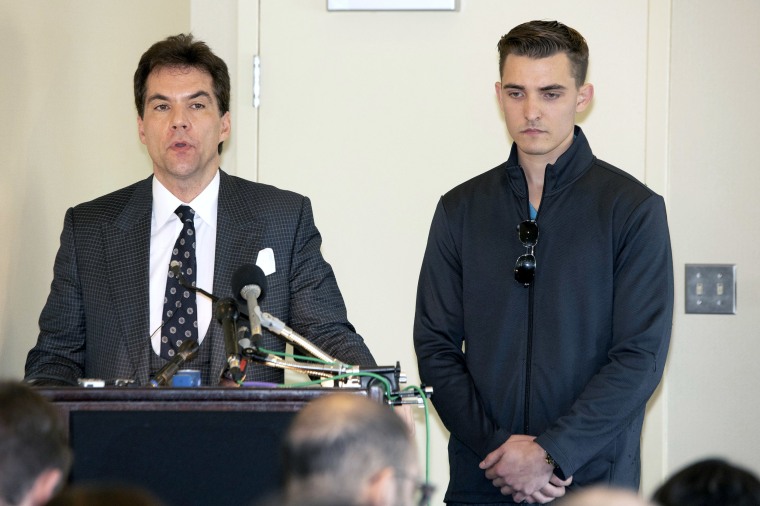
(249, 283)
(186, 351)
(227, 314)
(174, 267)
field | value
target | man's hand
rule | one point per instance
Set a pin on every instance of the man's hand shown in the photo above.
(519, 468)
(553, 490)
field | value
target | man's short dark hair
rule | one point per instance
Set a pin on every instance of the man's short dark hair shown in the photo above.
(183, 51)
(32, 440)
(541, 39)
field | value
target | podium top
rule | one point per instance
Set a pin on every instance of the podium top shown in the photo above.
(236, 398)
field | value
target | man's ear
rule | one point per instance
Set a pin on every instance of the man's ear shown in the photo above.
(140, 129)
(380, 489)
(585, 94)
(498, 89)
(44, 487)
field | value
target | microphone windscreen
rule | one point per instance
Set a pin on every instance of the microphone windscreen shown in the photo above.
(245, 275)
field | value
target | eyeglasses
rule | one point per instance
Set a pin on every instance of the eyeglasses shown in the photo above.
(423, 491)
(525, 267)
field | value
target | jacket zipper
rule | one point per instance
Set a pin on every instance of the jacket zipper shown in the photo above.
(529, 351)
(529, 359)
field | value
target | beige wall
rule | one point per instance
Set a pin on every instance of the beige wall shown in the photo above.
(714, 176)
(374, 115)
(69, 133)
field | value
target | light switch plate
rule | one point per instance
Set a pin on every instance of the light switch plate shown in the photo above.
(711, 288)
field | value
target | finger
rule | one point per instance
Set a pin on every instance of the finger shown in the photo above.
(552, 492)
(491, 473)
(519, 497)
(556, 480)
(538, 498)
(491, 459)
(499, 482)
(506, 490)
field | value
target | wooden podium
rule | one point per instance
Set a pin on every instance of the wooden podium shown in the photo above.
(189, 446)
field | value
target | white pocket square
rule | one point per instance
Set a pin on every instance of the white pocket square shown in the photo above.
(265, 260)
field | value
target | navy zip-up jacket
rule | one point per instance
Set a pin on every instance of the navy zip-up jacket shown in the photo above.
(573, 358)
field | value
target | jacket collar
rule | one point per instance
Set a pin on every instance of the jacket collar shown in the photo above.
(571, 165)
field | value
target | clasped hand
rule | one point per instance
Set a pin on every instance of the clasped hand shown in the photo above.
(519, 468)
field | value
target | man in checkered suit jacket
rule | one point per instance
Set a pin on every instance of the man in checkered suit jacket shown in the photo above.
(100, 319)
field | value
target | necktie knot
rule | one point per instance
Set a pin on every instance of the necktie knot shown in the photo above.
(185, 213)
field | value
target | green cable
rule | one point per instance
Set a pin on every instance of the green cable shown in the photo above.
(421, 393)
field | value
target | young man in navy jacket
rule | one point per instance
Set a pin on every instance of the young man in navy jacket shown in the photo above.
(542, 371)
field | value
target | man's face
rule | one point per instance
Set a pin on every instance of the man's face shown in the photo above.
(539, 99)
(181, 126)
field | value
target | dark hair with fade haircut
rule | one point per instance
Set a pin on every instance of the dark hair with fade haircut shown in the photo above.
(32, 440)
(541, 39)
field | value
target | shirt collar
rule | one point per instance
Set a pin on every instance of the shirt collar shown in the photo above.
(205, 204)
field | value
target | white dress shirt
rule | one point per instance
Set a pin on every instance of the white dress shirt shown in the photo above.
(165, 226)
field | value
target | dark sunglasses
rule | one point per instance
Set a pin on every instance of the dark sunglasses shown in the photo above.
(525, 267)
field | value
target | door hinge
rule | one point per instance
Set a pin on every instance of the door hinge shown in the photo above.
(256, 81)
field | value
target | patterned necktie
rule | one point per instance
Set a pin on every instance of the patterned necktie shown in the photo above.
(180, 314)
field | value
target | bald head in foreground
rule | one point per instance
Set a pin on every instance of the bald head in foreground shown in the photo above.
(603, 496)
(351, 450)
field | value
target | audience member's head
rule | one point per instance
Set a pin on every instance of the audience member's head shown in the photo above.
(602, 496)
(34, 453)
(104, 495)
(350, 450)
(710, 482)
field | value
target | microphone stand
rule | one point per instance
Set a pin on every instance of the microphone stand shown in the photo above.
(291, 336)
(187, 350)
(356, 376)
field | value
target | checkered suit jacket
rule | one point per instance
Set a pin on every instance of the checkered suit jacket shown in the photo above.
(95, 323)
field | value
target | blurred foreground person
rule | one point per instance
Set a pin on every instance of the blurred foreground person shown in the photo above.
(34, 452)
(710, 482)
(347, 449)
(603, 496)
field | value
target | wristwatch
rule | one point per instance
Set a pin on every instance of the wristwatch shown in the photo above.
(550, 460)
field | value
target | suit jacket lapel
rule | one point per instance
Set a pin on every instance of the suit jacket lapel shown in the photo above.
(238, 240)
(127, 252)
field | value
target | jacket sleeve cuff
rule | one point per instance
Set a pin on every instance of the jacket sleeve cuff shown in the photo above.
(558, 455)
